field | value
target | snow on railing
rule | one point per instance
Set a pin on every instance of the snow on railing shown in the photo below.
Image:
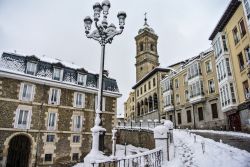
(151, 158)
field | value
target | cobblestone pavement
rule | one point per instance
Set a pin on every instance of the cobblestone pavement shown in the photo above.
(242, 143)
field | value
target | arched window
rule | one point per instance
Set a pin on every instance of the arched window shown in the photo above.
(138, 109)
(150, 103)
(146, 105)
(142, 106)
(141, 46)
(155, 101)
(152, 47)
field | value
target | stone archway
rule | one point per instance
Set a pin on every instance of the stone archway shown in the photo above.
(19, 151)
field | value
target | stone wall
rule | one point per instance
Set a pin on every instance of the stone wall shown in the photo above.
(62, 148)
(139, 138)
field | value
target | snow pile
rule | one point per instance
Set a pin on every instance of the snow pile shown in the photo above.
(189, 153)
(231, 133)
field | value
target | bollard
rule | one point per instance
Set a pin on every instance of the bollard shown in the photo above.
(114, 142)
(194, 138)
(234, 128)
(125, 149)
(221, 141)
(168, 142)
(131, 124)
(203, 146)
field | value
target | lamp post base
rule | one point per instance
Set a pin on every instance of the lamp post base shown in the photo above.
(94, 153)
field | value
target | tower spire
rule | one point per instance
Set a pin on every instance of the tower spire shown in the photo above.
(145, 19)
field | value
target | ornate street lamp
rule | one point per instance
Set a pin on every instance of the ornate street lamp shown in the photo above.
(104, 34)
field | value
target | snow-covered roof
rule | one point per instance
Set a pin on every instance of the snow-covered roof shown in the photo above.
(16, 64)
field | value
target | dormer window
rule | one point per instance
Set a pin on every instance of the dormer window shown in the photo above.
(81, 79)
(57, 74)
(31, 68)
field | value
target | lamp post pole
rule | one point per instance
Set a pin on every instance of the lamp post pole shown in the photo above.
(103, 34)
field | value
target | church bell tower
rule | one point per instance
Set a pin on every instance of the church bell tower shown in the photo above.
(146, 51)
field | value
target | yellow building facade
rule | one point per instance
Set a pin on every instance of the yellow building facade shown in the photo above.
(190, 94)
(231, 41)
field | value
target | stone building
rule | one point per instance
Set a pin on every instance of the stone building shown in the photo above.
(129, 107)
(191, 96)
(47, 108)
(231, 42)
(148, 76)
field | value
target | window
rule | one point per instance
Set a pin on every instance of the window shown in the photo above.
(79, 100)
(57, 74)
(179, 118)
(171, 118)
(52, 120)
(141, 90)
(186, 95)
(149, 85)
(228, 67)
(48, 158)
(236, 35)
(81, 79)
(50, 138)
(31, 68)
(75, 156)
(247, 54)
(246, 89)
(224, 43)
(153, 81)
(141, 46)
(194, 70)
(152, 47)
(196, 89)
(200, 113)
(208, 66)
(214, 110)
(232, 93)
(189, 118)
(178, 99)
(77, 122)
(217, 48)
(23, 119)
(137, 93)
(241, 62)
(211, 86)
(145, 88)
(26, 92)
(54, 97)
(247, 8)
(242, 28)
(76, 139)
(185, 79)
(176, 83)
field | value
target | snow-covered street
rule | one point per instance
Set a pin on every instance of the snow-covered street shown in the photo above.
(189, 153)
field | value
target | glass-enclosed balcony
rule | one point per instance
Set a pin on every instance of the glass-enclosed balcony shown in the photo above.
(196, 92)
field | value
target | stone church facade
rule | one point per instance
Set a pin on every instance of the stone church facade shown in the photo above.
(47, 109)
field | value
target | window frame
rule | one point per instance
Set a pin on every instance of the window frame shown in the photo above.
(31, 65)
(50, 127)
(76, 100)
(28, 119)
(21, 97)
(58, 98)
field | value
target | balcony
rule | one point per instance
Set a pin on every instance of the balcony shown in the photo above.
(168, 108)
(231, 106)
(200, 97)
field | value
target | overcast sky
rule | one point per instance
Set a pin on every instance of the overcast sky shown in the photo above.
(55, 28)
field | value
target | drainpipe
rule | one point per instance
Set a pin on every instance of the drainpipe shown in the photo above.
(174, 106)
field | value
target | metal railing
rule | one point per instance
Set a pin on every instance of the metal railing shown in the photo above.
(152, 158)
(139, 125)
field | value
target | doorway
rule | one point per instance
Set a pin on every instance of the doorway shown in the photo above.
(19, 151)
